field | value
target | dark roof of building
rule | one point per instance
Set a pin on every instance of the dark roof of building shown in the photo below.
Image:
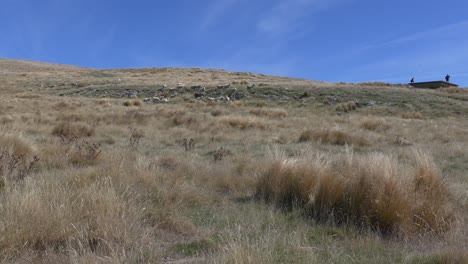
(433, 84)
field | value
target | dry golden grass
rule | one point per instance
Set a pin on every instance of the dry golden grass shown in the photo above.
(66, 129)
(16, 144)
(374, 124)
(129, 103)
(242, 122)
(412, 115)
(370, 192)
(334, 137)
(272, 113)
(156, 201)
(452, 90)
(346, 107)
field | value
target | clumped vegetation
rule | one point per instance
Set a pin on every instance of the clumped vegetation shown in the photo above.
(130, 103)
(412, 115)
(374, 124)
(88, 180)
(17, 159)
(135, 137)
(69, 130)
(84, 153)
(455, 257)
(334, 137)
(346, 107)
(243, 122)
(272, 113)
(369, 191)
(452, 90)
(375, 84)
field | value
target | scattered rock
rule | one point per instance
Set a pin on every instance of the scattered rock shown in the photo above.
(304, 95)
(132, 94)
(402, 141)
(331, 100)
(198, 95)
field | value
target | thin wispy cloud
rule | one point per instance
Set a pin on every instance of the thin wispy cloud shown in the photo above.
(214, 11)
(424, 63)
(426, 55)
(286, 16)
(455, 30)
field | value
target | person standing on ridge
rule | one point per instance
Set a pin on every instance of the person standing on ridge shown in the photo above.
(412, 80)
(447, 78)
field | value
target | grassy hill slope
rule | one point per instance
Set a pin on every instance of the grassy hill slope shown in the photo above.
(286, 171)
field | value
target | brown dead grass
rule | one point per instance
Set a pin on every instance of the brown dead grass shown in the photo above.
(374, 124)
(16, 144)
(155, 202)
(370, 192)
(411, 115)
(346, 107)
(452, 90)
(271, 112)
(69, 130)
(334, 137)
(242, 122)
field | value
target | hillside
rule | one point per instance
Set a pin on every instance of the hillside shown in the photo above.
(169, 165)
(53, 75)
(56, 79)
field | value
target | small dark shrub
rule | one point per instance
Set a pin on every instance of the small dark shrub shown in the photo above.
(135, 137)
(84, 153)
(220, 154)
(15, 167)
(70, 130)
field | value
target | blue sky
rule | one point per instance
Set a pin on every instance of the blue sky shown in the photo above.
(329, 40)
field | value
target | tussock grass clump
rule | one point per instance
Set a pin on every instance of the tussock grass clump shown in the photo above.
(334, 137)
(45, 217)
(129, 117)
(61, 106)
(369, 191)
(217, 112)
(6, 120)
(15, 144)
(103, 102)
(17, 158)
(452, 90)
(380, 84)
(346, 106)
(269, 112)
(130, 103)
(72, 117)
(242, 122)
(69, 130)
(184, 119)
(412, 115)
(84, 154)
(449, 257)
(374, 124)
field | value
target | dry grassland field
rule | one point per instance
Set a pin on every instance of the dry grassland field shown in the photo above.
(208, 166)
